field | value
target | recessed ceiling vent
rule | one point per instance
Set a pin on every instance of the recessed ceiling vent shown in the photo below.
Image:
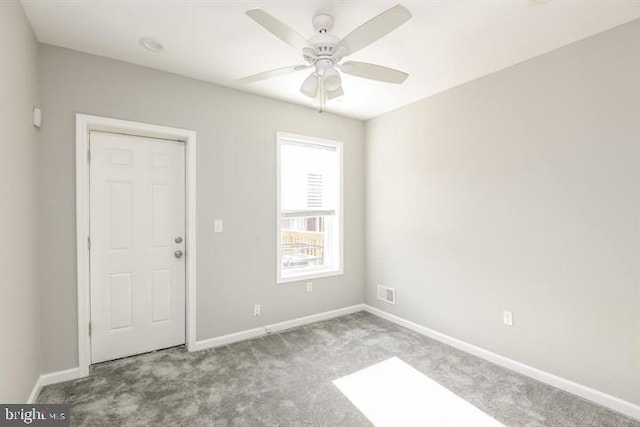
(387, 294)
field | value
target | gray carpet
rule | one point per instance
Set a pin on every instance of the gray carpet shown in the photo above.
(286, 379)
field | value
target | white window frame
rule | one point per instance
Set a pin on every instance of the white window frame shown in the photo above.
(283, 137)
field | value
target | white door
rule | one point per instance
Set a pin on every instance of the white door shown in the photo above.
(137, 221)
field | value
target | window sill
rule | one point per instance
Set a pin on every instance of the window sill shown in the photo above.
(309, 275)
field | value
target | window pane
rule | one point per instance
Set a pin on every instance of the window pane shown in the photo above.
(310, 195)
(304, 242)
(308, 177)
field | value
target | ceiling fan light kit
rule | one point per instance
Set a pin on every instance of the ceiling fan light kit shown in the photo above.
(310, 86)
(332, 80)
(324, 52)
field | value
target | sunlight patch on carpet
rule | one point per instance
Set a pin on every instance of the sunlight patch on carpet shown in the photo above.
(394, 394)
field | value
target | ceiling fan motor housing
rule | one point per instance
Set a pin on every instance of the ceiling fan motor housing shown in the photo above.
(325, 44)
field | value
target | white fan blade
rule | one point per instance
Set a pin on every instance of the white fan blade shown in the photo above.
(273, 73)
(335, 93)
(375, 28)
(278, 29)
(373, 72)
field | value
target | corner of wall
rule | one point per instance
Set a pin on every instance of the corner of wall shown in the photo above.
(20, 336)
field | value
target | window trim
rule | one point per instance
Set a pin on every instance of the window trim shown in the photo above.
(319, 273)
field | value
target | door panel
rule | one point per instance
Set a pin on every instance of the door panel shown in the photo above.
(119, 301)
(137, 204)
(120, 215)
(160, 295)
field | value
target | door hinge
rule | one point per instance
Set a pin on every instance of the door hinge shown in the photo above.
(89, 156)
(89, 328)
(89, 243)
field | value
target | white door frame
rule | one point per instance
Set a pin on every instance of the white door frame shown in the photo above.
(85, 124)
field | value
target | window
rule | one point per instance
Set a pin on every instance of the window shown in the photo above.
(309, 207)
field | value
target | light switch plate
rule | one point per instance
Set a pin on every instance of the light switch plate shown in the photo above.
(507, 318)
(217, 226)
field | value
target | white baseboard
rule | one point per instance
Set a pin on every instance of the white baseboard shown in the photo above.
(228, 339)
(288, 324)
(61, 376)
(75, 373)
(53, 378)
(264, 330)
(35, 391)
(630, 409)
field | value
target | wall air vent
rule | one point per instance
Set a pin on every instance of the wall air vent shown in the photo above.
(387, 294)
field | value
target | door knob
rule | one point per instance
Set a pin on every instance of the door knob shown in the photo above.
(178, 254)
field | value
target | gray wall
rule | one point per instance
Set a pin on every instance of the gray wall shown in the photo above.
(19, 300)
(520, 191)
(236, 181)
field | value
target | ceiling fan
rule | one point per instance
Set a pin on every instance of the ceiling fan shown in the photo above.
(324, 52)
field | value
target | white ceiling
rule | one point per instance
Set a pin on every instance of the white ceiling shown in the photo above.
(446, 43)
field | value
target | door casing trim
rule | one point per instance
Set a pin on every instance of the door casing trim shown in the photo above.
(84, 124)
